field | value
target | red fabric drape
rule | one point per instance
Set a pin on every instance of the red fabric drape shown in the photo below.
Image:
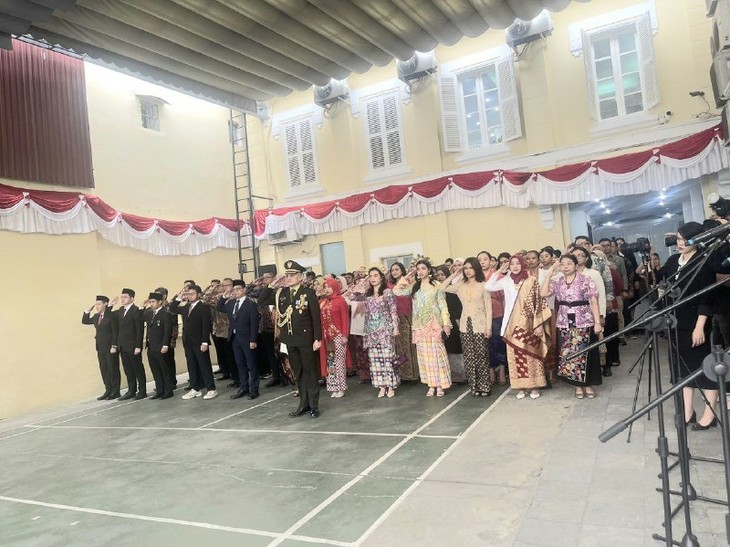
(44, 126)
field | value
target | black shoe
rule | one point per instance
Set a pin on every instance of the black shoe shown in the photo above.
(140, 396)
(112, 396)
(283, 383)
(622, 341)
(266, 376)
(166, 396)
(240, 393)
(157, 395)
(692, 420)
(103, 397)
(188, 387)
(224, 377)
(314, 413)
(234, 384)
(607, 371)
(127, 396)
(616, 364)
(272, 383)
(700, 427)
(253, 395)
(299, 412)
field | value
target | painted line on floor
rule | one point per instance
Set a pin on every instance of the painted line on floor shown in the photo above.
(252, 431)
(375, 525)
(21, 433)
(289, 533)
(245, 410)
(111, 407)
(164, 520)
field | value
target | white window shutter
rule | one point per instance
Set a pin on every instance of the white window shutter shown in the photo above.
(450, 113)
(392, 126)
(308, 153)
(508, 103)
(591, 77)
(374, 130)
(645, 40)
(291, 146)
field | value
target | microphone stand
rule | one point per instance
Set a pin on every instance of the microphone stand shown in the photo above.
(664, 321)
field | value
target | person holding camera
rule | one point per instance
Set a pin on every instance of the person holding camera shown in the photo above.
(693, 324)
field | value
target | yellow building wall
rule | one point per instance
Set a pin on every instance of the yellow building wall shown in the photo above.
(181, 173)
(555, 115)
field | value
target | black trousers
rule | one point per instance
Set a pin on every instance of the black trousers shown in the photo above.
(721, 329)
(231, 357)
(200, 368)
(221, 352)
(268, 355)
(164, 381)
(134, 371)
(306, 371)
(170, 364)
(248, 369)
(612, 351)
(109, 368)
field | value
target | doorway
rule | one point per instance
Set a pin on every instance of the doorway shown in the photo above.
(333, 257)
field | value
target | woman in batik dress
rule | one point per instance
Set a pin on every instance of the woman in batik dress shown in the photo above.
(475, 326)
(526, 326)
(333, 354)
(381, 328)
(578, 323)
(430, 320)
(404, 347)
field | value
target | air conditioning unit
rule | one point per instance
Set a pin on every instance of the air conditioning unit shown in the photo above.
(285, 237)
(334, 91)
(523, 32)
(721, 27)
(418, 66)
(724, 126)
(720, 77)
(710, 5)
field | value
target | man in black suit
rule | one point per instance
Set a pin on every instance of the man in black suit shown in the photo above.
(266, 300)
(159, 332)
(106, 334)
(197, 327)
(170, 355)
(243, 330)
(129, 344)
(297, 316)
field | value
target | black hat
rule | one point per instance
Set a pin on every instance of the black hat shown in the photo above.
(155, 296)
(104, 299)
(238, 283)
(129, 292)
(292, 267)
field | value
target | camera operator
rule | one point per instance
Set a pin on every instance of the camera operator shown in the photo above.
(693, 327)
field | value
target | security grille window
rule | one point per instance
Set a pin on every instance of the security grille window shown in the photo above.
(479, 106)
(620, 69)
(301, 154)
(150, 112)
(384, 132)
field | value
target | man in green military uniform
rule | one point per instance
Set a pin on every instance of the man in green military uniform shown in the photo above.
(300, 329)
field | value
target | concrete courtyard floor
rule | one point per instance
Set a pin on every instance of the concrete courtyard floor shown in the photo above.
(455, 471)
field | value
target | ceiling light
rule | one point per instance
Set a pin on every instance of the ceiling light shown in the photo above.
(668, 215)
(661, 203)
(607, 211)
(664, 189)
(609, 223)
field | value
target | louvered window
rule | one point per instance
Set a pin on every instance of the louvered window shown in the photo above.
(620, 69)
(383, 131)
(479, 106)
(301, 154)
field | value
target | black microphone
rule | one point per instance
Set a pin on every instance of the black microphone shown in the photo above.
(718, 231)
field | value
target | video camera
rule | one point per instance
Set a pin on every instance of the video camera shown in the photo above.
(719, 205)
(641, 245)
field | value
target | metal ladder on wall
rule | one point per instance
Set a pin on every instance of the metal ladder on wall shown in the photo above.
(248, 256)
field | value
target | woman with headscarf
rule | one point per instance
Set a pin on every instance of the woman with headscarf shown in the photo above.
(430, 320)
(526, 329)
(333, 355)
(404, 347)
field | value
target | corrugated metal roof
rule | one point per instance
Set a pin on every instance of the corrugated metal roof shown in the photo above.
(240, 51)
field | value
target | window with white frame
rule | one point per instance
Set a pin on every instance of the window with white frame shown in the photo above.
(403, 259)
(301, 154)
(150, 113)
(479, 106)
(384, 132)
(620, 69)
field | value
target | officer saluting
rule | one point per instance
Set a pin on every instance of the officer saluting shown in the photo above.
(298, 319)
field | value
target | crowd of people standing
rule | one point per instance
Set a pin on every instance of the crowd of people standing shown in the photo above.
(484, 320)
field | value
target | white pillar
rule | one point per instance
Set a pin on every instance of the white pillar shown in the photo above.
(695, 210)
(578, 221)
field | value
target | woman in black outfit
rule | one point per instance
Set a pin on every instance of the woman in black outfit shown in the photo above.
(694, 324)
